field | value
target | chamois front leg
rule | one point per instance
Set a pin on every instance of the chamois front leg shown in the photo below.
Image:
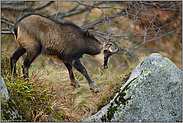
(73, 82)
(77, 64)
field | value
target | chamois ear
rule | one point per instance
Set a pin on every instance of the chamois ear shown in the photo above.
(107, 45)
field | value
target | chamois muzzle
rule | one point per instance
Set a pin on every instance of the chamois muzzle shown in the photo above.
(108, 52)
(105, 67)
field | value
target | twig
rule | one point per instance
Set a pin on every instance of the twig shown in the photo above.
(25, 8)
(57, 11)
(100, 21)
(11, 24)
(71, 12)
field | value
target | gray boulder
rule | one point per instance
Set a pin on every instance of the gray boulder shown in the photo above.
(4, 90)
(153, 93)
(10, 110)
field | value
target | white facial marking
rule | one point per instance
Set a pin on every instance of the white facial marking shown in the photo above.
(99, 58)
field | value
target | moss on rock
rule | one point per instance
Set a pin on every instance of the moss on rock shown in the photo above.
(153, 93)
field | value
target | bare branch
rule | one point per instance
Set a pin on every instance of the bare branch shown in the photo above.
(25, 8)
(11, 24)
(71, 12)
(6, 32)
(57, 11)
(100, 21)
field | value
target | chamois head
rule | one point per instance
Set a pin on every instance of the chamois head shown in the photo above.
(106, 52)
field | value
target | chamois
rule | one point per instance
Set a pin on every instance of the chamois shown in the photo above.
(37, 34)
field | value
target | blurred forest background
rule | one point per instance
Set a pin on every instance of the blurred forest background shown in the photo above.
(139, 28)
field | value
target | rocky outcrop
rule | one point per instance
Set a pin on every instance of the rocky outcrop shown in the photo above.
(153, 93)
(10, 112)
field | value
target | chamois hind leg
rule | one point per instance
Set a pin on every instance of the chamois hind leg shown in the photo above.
(77, 64)
(31, 55)
(13, 59)
(73, 82)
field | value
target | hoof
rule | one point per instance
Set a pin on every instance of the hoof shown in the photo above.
(95, 89)
(75, 84)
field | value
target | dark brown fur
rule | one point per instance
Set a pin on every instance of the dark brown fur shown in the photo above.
(66, 41)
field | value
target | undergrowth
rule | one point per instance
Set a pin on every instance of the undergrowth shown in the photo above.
(32, 97)
(49, 95)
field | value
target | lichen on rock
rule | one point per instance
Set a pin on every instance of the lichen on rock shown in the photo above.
(153, 93)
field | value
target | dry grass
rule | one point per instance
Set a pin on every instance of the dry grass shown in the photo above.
(76, 104)
(66, 103)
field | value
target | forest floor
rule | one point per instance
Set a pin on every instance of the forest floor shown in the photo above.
(48, 96)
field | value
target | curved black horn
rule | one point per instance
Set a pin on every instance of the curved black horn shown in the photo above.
(115, 51)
